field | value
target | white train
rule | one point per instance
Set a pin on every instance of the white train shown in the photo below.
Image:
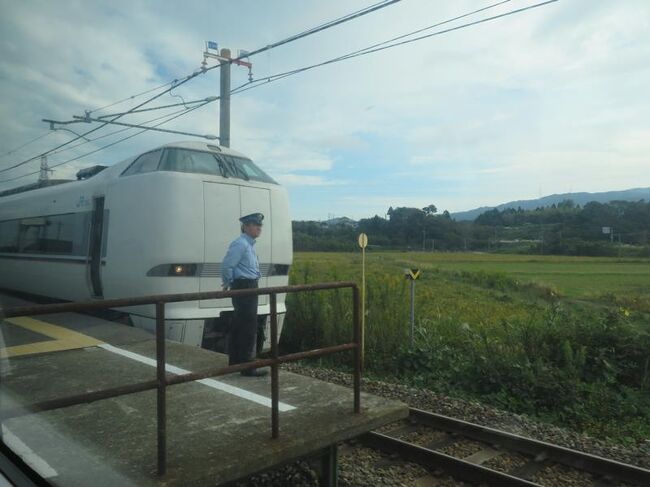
(157, 223)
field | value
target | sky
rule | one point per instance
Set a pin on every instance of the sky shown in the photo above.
(551, 100)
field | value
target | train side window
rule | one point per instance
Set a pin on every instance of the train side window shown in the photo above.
(145, 163)
(53, 234)
(59, 234)
(49, 235)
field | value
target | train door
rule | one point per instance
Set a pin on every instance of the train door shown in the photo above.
(224, 205)
(95, 247)
(222, 211)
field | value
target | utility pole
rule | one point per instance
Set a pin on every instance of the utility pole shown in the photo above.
(225, 60)
(44, 174)
(224, 100)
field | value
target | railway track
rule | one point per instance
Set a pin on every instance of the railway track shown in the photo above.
(472, 453)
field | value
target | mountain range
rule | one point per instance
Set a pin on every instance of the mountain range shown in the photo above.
(634, 194)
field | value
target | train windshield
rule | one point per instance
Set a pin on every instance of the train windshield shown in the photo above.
(185, 160)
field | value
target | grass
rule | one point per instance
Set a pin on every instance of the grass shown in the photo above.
(566, 339)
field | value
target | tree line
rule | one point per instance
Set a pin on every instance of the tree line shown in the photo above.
(614, 228)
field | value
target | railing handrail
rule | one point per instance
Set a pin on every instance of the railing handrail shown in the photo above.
(162, 380)
(167, 298)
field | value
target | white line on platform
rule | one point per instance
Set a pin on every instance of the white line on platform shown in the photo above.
(215, 384)
(39, 465)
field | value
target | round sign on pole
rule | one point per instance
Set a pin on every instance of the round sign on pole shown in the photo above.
(363, 240)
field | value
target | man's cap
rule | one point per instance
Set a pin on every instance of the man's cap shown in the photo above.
(255, 218)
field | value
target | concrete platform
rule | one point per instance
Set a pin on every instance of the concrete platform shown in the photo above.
(217, 430)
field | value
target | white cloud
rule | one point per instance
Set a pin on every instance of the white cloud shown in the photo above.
(553, 98)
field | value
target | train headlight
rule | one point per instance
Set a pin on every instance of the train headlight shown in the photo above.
(176, 270)
(182, 269)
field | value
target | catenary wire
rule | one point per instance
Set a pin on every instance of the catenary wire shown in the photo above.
(250, 85)
(159, 107)
(113, 133)
(365, 51)
(247, 86)
(268, 79)
(184, 80)
(326, 25)
(313, 30)
(31, 141)
(132, 97)
(175, 83)
(175, 115)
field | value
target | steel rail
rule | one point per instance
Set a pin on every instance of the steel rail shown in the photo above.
(573, 458)
(456, 467)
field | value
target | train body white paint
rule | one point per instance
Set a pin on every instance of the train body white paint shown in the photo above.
(157, 223)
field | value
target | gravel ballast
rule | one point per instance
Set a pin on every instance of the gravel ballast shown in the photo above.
(361, 466)
(478, 413)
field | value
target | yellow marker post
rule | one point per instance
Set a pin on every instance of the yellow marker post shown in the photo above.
(363, 243)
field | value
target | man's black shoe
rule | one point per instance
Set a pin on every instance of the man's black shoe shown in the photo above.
(255, 372)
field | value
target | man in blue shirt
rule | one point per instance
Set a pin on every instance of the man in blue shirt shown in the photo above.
(241, 270)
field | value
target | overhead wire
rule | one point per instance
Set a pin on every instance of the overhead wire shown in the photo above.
(159, 107)
(246, 86)
(184, 80)
(326, 25)
(111, 134)
(176, 83)
(383, 45)
(132, 97)
(31, 141)
(313, 30)
(170, 116)
(183, 112)
(361, 52)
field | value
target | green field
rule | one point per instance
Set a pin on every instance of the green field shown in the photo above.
(566, 339)
(573, 277)
(456, 283)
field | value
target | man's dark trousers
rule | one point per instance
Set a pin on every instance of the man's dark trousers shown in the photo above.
(244, 324)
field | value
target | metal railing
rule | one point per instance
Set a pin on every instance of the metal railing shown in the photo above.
(162, 381)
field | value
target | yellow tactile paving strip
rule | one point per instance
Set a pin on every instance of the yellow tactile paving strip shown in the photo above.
(63, 339)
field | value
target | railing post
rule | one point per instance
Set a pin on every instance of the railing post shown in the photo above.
(357, 351)
(2, 420)
(275, 393)
(160, 375)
